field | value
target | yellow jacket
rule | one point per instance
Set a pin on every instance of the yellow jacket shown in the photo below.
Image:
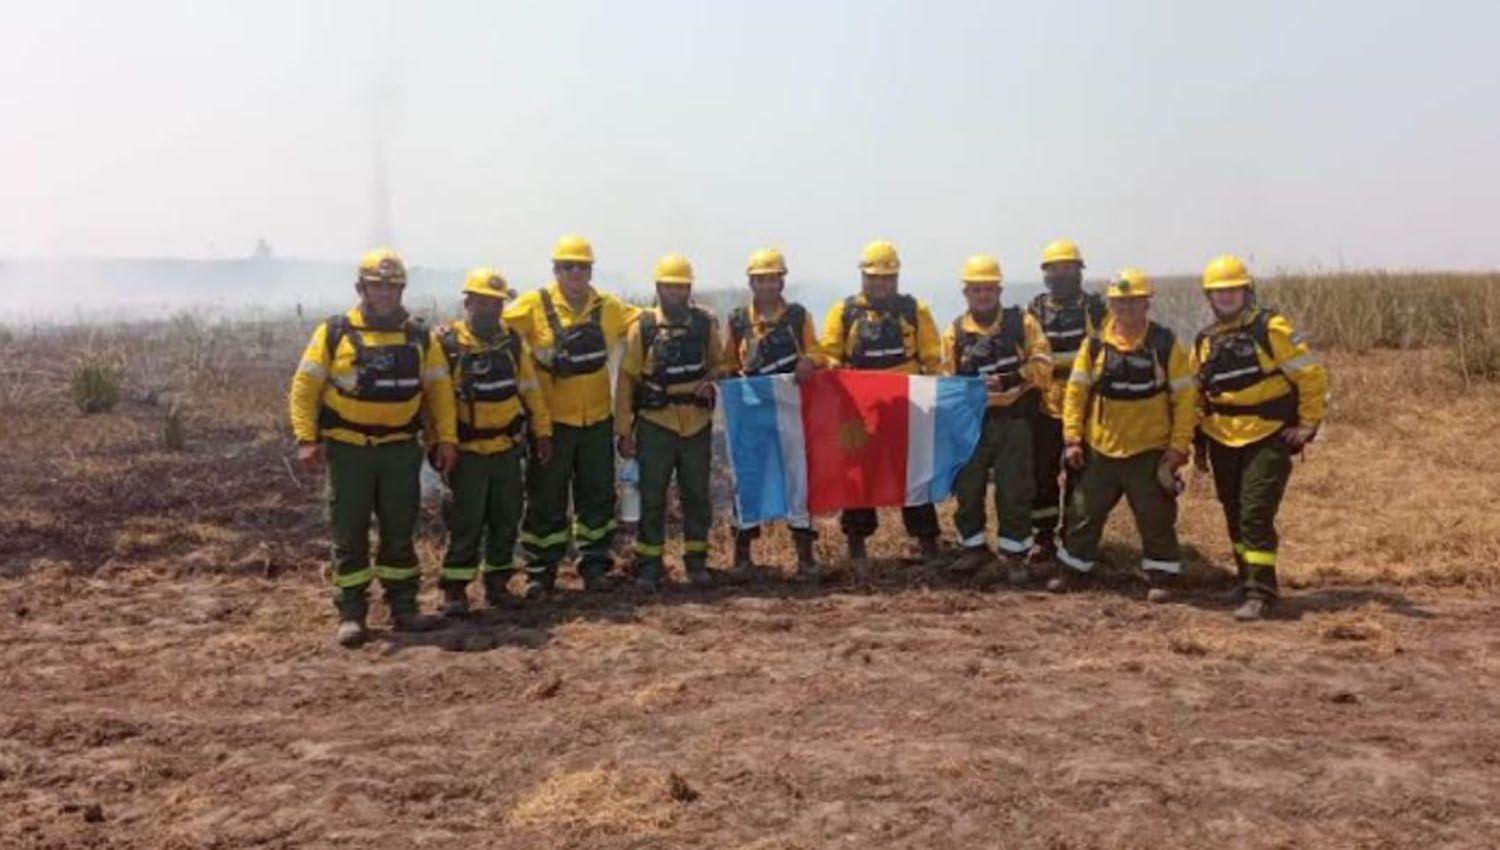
(922, 348)
(324, 402)
(486, 414)
(1123, 427)
(638, 364)
(576, 400)
(738, 349)
(1036, 369)
(1287, 364)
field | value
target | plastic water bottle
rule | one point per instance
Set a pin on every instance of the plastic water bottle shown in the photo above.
(628, 475)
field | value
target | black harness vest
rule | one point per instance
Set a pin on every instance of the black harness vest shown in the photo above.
(678, 354)
(578, 349)
(778, 350)
(879, 342)
(1233, 363)
(1067, 327)
(383, 374)
(488, 374)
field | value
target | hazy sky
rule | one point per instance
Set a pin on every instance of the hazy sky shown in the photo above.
(1154, 133)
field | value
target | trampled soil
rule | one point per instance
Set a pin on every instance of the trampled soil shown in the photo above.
(215, 712)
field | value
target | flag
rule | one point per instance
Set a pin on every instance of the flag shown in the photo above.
(847, 439)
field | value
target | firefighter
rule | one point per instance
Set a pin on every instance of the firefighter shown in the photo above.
(367, 380)
(771, 336)
(500, 411)
(663, 417)
(1005, 347)
(1068, 316)
(885, 330)
(571, 329)
(1128, 419)
(1263, 395)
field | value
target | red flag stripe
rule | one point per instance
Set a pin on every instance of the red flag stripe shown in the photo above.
(855, 425)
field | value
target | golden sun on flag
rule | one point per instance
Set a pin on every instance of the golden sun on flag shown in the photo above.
(853, 435)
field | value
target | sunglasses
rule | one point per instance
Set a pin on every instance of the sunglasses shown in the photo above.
(573, 267)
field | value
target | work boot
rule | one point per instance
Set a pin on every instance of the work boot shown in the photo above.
(929, 548)
(1235, 595)
(1016, 573)
(595, 575)
(1160, 583)
(1066, 579)
(807, 565)
(351, 633)
(455, 600)
(353, 610)
(744, 570)
(1256, 607)
(856, 548)
(538, 587)
(406, 615)
(648, 576)
(970, 561)
(496, 588)
(696, 570)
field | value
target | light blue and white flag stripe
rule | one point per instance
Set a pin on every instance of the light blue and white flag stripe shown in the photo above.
(767, 451)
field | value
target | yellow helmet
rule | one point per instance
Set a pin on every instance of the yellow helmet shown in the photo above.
(487, 282)
(382, 265)
(766, 261)
(1061, 251)
(674, 268)
(572, 248)
(1129, 283)
(880, 258)
(1226, 271)
(982, 268)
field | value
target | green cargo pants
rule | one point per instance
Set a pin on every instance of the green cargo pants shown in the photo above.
(383, 480)
(1046, 464)
(485, 512)
(1004, 454)
(1103, 482)
(1250, 481)
(662, 453)
(581, 472)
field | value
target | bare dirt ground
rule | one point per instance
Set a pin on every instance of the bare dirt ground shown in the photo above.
(168, 679)
(208, 712)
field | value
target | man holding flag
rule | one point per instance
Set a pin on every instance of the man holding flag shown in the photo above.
(883, 330)
(770, 336)
(1009, 351)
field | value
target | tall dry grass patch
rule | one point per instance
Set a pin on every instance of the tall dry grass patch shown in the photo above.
(1363, 311)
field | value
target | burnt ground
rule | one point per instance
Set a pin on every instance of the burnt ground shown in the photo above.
(213, 711)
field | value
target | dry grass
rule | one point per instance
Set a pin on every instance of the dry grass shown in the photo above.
(601, 799)
(1367, 632)
(1362, 311)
